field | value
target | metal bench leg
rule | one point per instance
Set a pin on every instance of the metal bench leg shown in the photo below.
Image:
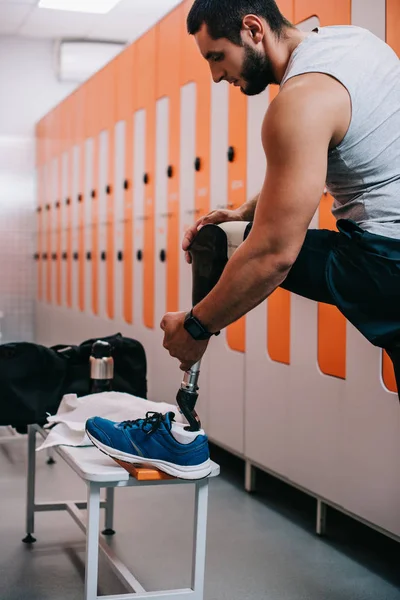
(199, 541)
(109, 512)
(92, 541)
(30, 500)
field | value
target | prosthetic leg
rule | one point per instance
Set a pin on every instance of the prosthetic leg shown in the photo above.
(210, 251)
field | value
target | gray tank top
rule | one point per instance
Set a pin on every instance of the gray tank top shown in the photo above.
(364, 169)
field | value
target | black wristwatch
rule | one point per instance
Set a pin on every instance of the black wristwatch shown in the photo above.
(196, 328)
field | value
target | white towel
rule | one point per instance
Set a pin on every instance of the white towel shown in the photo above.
(73, 413)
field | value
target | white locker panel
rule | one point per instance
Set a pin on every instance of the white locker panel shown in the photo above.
(165, 384)
(120, 133)
(54, 224)
(64, 216)
(266, 381)
(143, 334)
(138, 211)
(102, 200)
(226, 367)
(187, 185)
(88, 224)
(75, 226)
(370, 14)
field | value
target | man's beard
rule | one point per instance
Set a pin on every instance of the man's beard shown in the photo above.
(257, 72)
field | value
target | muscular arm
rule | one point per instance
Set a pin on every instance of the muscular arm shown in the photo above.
(247, 210)
(297, 131)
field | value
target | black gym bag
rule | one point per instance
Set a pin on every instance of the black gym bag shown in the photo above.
(34, 378)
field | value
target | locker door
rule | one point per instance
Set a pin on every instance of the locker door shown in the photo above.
(39, 202)
(88, 206)
(140, 140)
(266, 388)
(102, 222)
(46, 233)
(64, 226)
(146, 94)
(54, 224)
(128, 254)
(118, 220)
(75, 225)
(58, 206)
(187, 185)
(226, 364)
(165, 385)
(49, 211)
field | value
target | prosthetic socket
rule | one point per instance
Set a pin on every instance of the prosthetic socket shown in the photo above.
(210, 252)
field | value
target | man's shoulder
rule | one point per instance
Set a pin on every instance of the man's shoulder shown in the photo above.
(307, 102)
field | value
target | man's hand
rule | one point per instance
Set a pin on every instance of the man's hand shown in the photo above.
(179, 342)
(215, 217)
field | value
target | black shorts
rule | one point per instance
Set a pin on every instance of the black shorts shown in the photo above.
(357, 271)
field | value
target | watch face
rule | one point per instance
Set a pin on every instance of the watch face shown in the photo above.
(195, 329)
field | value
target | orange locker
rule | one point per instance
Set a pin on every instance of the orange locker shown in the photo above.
(279, 313)
(145, 99)
(170, 40)
(237, 185)
(80, 198)
(109, 119)
(69, 115)
(39, 209)
(125, 99)
(57, 203)
(331, 322)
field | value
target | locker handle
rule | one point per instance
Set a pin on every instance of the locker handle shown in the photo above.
(54, 256)
(139, 255)
(193, 211)
(39, 209)
(166, 215)
(44, 255)
(47, 206)
(103, 255)
(89, 256)
(64, 256)
(108, 190)
(80, 198)
(197, 163)
(223, 206)
(58, 204)
(93, 194)
(36, 256)
(68, 201)
(231, 154)
(120, 255)
(76, 255)
(146, 178)
(170, 171)
(126, 184)
(163, 256)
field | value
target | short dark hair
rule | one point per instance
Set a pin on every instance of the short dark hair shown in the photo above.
(224, 17)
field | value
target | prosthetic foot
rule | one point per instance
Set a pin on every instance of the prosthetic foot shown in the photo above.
(209, 251)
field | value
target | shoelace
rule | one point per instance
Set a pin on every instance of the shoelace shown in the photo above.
(153, 419)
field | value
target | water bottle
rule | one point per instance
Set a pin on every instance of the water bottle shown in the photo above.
(101, 367)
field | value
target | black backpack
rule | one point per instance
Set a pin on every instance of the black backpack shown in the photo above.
(34, 378)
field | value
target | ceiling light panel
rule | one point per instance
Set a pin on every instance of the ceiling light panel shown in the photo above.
(85, 6)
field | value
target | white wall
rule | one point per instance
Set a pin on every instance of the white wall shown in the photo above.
(29, 89)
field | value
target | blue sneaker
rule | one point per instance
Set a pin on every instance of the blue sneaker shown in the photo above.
(153, 441)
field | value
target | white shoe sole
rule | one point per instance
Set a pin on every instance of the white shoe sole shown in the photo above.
(193, 472)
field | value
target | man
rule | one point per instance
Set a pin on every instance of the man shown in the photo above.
(335, 122)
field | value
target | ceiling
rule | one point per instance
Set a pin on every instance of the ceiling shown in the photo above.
(126, 22)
